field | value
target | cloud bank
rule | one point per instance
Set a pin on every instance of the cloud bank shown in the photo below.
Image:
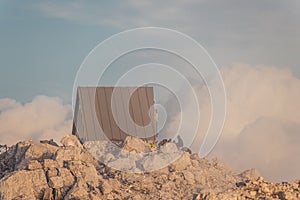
(43, 118)
(262, 127)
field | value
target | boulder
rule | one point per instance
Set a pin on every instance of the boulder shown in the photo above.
(52, 173)
(169, 148)
(23, 183)
(135, 144)
(38, 150)
(123, 164)
(69, 153)
(154, 162)
(251, 174)
(3, 148)
(182, 162)
(107, 158)
(64, 179)
(50, 164)
(189, 177)
(86, 172)
(48, 194)
(97, 147)
(81, 191)
(106, 187)
(34, 164)
(71, 140)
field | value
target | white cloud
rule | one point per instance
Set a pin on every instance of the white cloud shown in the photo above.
(43, 118)
(262, 123)
(269, 144)
(6, 104)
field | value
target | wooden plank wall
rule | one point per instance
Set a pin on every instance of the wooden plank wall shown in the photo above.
(87, 116)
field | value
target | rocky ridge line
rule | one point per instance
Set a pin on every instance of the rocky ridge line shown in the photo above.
(44, 170)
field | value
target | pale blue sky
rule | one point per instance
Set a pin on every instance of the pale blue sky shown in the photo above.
(42, 43)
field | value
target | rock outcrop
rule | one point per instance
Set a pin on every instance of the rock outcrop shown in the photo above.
(44, 170)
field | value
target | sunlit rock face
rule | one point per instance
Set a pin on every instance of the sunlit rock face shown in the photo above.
(45, 170)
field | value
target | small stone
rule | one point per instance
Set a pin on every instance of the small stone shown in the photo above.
(51, 142)
(260, 179)
(69, 153)
(123, 164)
(107, 158)
(189, 177)
(71, 140)
(195, 156)
(48, 194)
(196, 197)
(106, 188)
(182, 162)
(252, 193)
(137, 197)
(135, 144)
(50, 164)
(3, 149)
(295, 184)
(281, 195)
(52, 172)
(34, 164)
(38, 151)
(241, 184)
(169, 148)
(154, 162)
(56, 182)
(251, 174)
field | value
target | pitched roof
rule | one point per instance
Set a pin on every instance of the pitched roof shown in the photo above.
(117, 111)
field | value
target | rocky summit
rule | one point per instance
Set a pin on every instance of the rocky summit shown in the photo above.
(44, 170)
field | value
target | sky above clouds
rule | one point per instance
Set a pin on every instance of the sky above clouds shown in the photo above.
(255, 44)
(44, 42)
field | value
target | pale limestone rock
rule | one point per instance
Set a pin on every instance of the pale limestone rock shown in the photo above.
(137, 197)
(195, 163)
(48, 194)
(251, 174)
(107, 157)
(183, 162)
(52, 172)
(135, 144)
(69, 153)
(81, 191)
(154, 162)
(64, 179)
(34, 164)
(162, 171)
(252, 193)
(189, 177)
(123, 164)
(97, 147)
(85, 172)
(29, 184)
(38, 150)
(56, 182)
(169, 148)
(50, 164)
(67, 176)
(71, 140)
(106, 187)
(70, 172)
